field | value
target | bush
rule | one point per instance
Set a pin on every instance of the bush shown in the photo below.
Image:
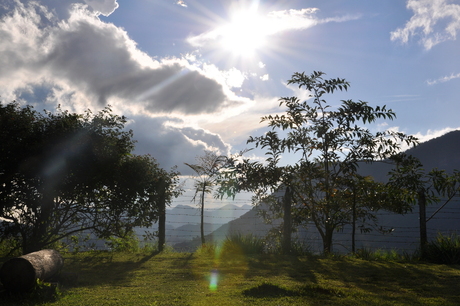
(130, 243)
(10, 247)
(367, 254)
(246, 244)
(443, 250)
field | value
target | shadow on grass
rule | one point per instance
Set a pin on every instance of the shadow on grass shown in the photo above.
(297, 268)
(265, 290)
(101, 268)
(407, 283)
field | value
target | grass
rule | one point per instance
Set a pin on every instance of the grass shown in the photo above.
(201, 278)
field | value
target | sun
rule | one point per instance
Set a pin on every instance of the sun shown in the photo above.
(245, 34)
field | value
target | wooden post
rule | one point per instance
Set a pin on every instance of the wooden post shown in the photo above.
(422, 220)
(287, 223)
(162, 217)
(21, 273)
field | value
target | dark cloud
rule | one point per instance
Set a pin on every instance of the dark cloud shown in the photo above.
(100, 61)
(172, 144)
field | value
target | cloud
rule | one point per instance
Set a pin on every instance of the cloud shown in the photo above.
(66, 55)
(96, 61)
(181, 3)
(62, 9)
(433, 22)
(443, 79)
(104, 7)
(274, 22)
(170, 140)
(431, 134)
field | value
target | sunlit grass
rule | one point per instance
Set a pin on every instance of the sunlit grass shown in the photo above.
(209, 278)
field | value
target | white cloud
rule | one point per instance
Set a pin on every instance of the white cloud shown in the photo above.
(434, 21)
(104, 7)
(443, 79)
(265, 77)
(233, 77)
(431, 134)
(97, 61)
(274, 22)
(424, 136)
(181, 3)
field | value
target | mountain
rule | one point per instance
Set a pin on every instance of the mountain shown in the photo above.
(184, 214)
(442, 153)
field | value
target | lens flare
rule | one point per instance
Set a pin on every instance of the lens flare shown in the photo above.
(213, 280)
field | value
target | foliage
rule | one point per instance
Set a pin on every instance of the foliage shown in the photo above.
(129, 243)
(367, 254)
(328, 144)
(444, 250)
(63, 173)
(9, 247)
(415, 185)
(412, 180)
(207, 173)
(243, 243)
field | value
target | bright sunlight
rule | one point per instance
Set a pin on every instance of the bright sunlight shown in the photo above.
(245, 34)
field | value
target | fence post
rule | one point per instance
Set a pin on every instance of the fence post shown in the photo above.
(422, 220)
(287, 223)
(162, 216)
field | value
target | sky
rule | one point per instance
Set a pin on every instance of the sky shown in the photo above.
(198, 75)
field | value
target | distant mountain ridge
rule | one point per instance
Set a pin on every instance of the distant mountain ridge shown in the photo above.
(185, 214)
(442, 152)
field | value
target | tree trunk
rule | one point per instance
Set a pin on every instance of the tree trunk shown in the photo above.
(202, 215)
(327, 240)
(353, 230)
(21, 273)
(38, 238)
(422, 220)
(287, 223)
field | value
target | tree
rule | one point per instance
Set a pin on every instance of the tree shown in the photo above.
(65, 173)
(207, 172)
(416, 186)
(366, 197)
(327, 145)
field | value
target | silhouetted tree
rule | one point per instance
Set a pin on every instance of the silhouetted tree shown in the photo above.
(64, 173)
(207, 172)
(416, 186)
(326, 145)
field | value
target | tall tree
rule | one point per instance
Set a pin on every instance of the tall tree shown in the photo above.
(327, 146)
(417, 186)
(207, 172)
(63, 173)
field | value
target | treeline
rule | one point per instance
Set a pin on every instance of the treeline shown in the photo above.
(62, 173)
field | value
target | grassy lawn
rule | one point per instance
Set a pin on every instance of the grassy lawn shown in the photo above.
(203, 279)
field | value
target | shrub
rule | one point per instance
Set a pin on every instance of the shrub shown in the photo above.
(367, 254)
(10, 247)
(130, 243)
(443, 250)
(246, 244)
(207, 249)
